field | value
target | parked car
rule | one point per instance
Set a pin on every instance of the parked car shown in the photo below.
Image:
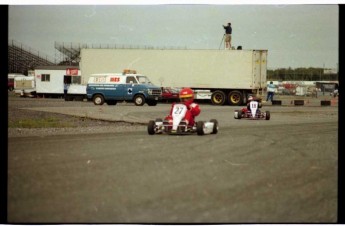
(170, 94)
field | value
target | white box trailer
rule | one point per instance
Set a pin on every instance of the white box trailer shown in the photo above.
(51, 80)
(10, 80)
(24, 86)
(230, 75)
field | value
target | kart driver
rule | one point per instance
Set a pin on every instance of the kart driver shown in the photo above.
(186, 96)
(252, 98)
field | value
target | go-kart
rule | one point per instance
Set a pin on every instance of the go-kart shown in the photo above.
(252, 112)
(178, 125)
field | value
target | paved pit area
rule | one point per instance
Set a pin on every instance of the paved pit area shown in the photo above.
(282, 170)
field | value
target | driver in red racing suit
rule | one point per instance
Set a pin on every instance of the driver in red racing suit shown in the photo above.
(186, 96)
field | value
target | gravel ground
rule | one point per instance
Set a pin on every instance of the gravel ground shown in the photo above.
(65, 124)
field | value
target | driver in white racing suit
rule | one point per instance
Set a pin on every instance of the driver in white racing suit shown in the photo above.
(252, 98)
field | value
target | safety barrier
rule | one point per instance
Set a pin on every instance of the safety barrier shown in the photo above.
(276, 102)
(299, 102)
(325, 103)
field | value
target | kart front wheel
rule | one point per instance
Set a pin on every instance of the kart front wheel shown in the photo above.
(200, 128)
(151, 127)
(215, 126)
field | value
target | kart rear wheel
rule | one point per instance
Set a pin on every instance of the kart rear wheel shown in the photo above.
(215, 126)
(237, 114)
(151, 127)
(200, 128)
(268, 115)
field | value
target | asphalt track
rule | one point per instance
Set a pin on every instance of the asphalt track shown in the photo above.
(284, 170)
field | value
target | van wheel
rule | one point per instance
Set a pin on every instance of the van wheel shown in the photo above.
(152, 103)
(98, 99)
(111, 102)
(139, 100)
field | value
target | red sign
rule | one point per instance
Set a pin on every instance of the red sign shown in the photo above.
(114, 79)
(72, 71)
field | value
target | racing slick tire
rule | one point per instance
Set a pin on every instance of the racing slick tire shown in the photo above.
(218, 97)
(268, 115)
(151, 127)
(200, 128)
(239, 114)
(139, 100)
(215, 126)
(98, 99)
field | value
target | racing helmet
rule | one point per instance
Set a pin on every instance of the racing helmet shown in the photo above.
(250, 98)
(186, 95)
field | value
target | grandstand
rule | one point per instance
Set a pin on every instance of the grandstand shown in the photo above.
(22, 58)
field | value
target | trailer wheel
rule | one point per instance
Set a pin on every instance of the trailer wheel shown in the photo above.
(215, 126)
(235, 98)
(200, 128)
(139, 100)
(151, 127)
(98, 99)
(218, 97)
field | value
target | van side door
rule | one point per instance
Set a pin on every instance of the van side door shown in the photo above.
(131, 82)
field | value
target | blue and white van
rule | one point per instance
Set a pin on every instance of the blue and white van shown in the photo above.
(126, 86)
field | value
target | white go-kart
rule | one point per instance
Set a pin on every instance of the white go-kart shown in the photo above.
(178, 124)
(252, 112)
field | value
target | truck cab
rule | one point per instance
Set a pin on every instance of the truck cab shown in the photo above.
(126, 86)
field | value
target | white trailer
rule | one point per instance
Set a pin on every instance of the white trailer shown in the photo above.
(51, 81)
(24, 86)
(10, 80)
(230, 75)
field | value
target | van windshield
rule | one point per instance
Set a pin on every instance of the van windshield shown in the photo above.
(143, 80)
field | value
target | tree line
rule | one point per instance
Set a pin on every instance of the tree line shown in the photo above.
(301, 74)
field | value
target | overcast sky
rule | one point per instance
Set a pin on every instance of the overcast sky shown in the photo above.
(294, 35)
